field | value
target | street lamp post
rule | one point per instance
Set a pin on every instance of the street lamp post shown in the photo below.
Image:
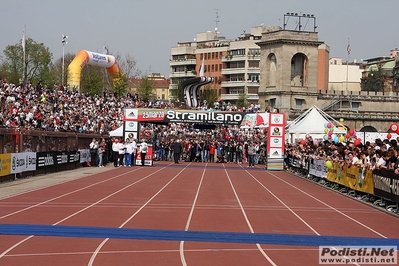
(64, 38)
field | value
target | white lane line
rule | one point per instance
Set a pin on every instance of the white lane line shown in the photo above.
(96, 252)
(182, 257)
(14, 246)
(331, 207)
(44, 186)
(63, 195)
(155, 251)
(246, 217)
(300, 218)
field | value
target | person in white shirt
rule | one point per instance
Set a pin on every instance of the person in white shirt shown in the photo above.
(115, 151)
(143, 151)
(128, 152)
(121, 150)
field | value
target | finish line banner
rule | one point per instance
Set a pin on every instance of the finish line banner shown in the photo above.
(184, 116)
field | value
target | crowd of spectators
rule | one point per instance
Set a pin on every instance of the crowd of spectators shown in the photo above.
(29, 106)
(377, 155)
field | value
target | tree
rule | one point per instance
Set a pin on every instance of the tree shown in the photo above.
(92, 81)
(37, 62)
(57, 68)
(242, 100)
(209, 94)
(146, 88)
(177, 94)
(374, 81)
(120, 84)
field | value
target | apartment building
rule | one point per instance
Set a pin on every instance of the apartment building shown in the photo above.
(234, 64)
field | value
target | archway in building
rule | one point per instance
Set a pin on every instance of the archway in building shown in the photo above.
(298, 70)
(368, 129)
(272, 69)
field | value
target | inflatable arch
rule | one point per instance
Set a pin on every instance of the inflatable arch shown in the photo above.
(86, 57)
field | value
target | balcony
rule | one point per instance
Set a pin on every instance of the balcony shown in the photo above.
(182, 74)
(183, 62)
(231, 71)
(238, 83)
(235, 96)
(234, 58)
(253, 70)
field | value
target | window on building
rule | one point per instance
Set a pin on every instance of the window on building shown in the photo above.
(355, 106)
(298, 104)
(272, 102)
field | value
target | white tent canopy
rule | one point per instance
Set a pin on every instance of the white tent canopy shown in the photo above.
(312, 122)
(117, 132)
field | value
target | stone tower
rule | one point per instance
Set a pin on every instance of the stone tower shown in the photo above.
(293, 67)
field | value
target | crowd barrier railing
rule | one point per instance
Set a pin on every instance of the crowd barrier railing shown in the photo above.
(382, 184)
(26, 164)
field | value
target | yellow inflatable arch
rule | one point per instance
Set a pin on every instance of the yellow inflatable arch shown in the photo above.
(86, 57)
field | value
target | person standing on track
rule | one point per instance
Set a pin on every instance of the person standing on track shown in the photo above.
(251, 154)
(121, 151)
(143, 151)
(115, 151)
(177, 150)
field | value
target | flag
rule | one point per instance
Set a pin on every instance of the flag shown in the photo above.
(105, 50)
(348, 48)
(23, 39)
(202, 69)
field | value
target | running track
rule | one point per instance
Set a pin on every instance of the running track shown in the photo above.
(186, 214)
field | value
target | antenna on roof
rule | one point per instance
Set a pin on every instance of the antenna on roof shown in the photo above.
(217, 20)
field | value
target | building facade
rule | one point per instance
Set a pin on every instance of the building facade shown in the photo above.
(291, 70)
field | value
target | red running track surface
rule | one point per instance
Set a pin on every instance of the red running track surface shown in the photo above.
(189, 197)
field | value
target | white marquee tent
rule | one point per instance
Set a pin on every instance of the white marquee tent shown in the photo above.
(117, 132)
(312, 122)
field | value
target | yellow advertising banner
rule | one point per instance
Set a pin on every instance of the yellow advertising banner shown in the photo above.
(5, 164)
(353, 177)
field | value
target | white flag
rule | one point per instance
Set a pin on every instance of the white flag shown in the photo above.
(23, 39)
(202, 69)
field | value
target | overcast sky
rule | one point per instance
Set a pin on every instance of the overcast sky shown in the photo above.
(147, 29)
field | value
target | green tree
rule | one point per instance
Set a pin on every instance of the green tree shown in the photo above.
(146, 88)
(242, 100)
(92, 81)
(120, 84)
(374, 81)
(37, 62)
(177, 94)
(209, 94)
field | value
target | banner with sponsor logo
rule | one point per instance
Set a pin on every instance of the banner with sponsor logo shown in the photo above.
(22, 162)
(85, 156)
(275, 141)
(352, 177)
(73, 156)
(148, 157)
(386, 185)
(61, 157)
(45, 159)
(184, 116)
(5, 164)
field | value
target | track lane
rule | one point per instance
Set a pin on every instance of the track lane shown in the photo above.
(36, 245)
(172, 204)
